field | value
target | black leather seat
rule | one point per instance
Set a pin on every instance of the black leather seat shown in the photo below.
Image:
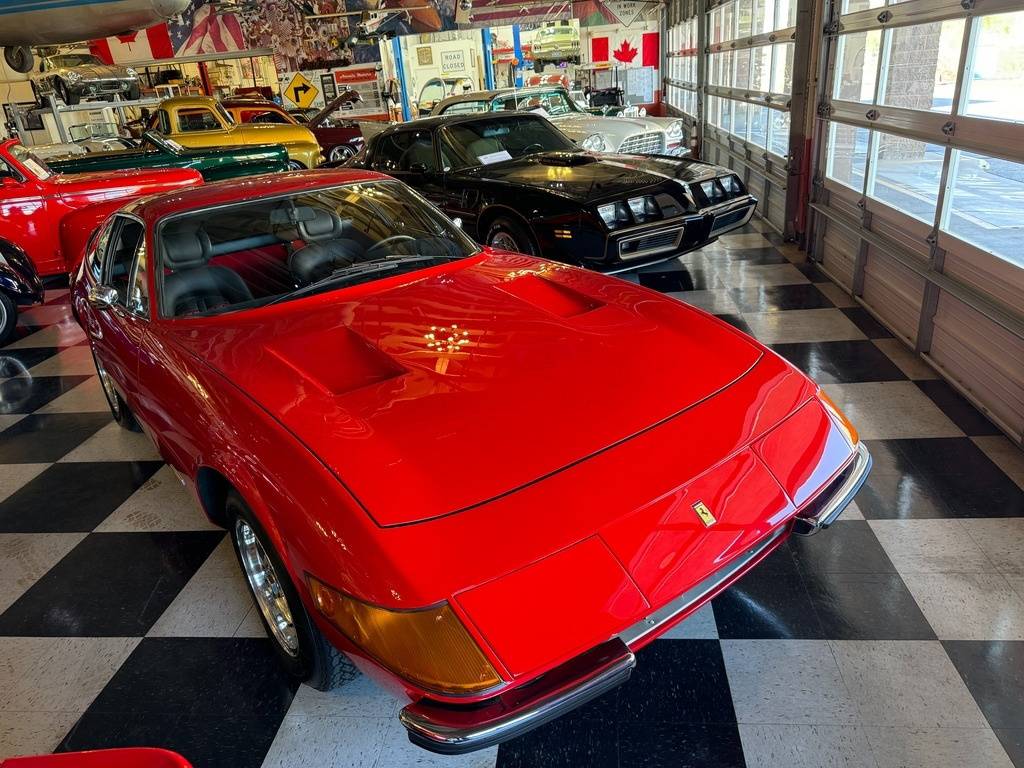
(326, 247)
(194, 286)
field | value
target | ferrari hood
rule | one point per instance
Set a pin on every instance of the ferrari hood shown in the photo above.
(453, 389)
(591, 177)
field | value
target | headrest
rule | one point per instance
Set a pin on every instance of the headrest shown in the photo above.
(186, 247)
(484, 146)
(325, 225)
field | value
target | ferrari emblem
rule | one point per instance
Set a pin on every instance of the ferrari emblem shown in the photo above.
(704, 514)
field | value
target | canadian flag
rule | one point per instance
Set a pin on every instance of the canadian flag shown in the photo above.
(146, 45)
(625, 48)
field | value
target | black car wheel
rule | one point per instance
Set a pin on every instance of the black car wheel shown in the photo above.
(510, 235)
(302, 648)
(340, 153)
(119, 409)
(66, 95)
(295, 165)
(8, 318)
(134, 92)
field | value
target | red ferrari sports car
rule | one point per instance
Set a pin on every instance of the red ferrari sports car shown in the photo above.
(484, 478)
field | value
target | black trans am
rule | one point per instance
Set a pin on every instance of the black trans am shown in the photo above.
(518, 183)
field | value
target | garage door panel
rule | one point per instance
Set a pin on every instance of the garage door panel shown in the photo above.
(988, 274)
(984, 358)
(893, 292)
(839, 254)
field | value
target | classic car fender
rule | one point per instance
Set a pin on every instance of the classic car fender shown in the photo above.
(18, 276)
(78, 227)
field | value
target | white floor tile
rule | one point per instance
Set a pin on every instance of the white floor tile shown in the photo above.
(25, 557)
(87, 397)
(399, 752)
(930, 546)
(33, 733)
(161, 504)
(936, 748)
(15, 476)
(360, 698)
(327, 742)
(73, 361)
(805, 746)
(115, 443)
(1002, 540)
(800, 325)
(1007, 456)
(968, 606)
(905, 359)
(890, 410)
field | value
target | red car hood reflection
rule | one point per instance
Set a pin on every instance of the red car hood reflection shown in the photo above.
(457, 386)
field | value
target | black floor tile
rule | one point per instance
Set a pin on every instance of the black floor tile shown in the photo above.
(957, 408)
(866, 606)
(736, 321)
(110, 585)
(26, 394)
(867, 323)
(570, 741)
(677, 280)
(812, 273)
(841, 362)
(16, 362)
(682, 682)
(1013, 742)
(994, 674)
(675, 745)
(772, 298)
(769, 602)
(73, 496)
(217, 701)
(936, 477)
(47, 437)
(847, 546)
(752, 256)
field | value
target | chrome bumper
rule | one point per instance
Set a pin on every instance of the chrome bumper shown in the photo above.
(453, 730)
(835, 500)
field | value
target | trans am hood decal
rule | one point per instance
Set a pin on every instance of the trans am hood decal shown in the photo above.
(451, 390)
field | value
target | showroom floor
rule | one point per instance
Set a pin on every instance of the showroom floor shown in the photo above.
(896, 638)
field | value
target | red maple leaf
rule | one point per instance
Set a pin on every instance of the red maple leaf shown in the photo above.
(625, 52)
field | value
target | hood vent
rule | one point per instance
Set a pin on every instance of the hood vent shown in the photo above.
(567, 159)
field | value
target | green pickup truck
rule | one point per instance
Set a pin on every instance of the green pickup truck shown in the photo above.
(155, 151)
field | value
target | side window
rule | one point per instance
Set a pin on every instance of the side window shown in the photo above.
(162, 122)
(432, 92)
(124, 246)
(403, 150)
(199, 119)
(97, 247)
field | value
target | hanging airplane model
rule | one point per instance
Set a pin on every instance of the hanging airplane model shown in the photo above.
(55, 22)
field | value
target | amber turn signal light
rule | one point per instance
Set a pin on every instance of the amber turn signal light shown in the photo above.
(844, 423)
(429, 647)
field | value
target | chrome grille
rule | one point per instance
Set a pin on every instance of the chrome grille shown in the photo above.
(644, 144)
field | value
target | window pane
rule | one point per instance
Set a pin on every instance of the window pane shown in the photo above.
(717, 33)
(985, 204)
(744, 17)
(785, 14)
(741, 113)
(759, 125)
(850, 6)
(857, 66)
(741, 70)
(764, 16)
(729, 21)
(847, 155)
(761, 68)
(778, 132)
(782, 68)
(726, 123)
(906, 175)
(922, 67)
(997, 86)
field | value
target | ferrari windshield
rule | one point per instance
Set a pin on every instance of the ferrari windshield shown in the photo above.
(486, 142)
(278, 249)
(73, 60)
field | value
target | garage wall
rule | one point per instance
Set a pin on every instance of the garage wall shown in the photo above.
(919, 186)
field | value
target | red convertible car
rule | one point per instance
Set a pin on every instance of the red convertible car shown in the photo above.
(34, 201)
(484, 478)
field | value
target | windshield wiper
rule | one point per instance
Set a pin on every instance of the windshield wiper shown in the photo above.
(354, 270)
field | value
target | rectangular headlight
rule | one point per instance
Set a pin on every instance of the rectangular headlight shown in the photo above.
(614, 214)
(427, 647)
(643, 208)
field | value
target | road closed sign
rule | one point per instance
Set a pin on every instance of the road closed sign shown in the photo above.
(453, 62)
(300, 91)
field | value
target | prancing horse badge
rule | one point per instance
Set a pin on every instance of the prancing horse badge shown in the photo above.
(704, 514)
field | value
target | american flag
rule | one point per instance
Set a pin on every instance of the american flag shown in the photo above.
(200, 29)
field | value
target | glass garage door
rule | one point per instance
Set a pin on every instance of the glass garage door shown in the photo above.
(919, 193)
(749, 76)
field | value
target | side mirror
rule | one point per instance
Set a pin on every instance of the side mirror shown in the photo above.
(102, 297)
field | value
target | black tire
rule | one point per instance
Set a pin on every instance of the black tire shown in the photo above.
(19, 58)
(316, 662)
(506, 232)
(8, 318)
(69, 98)
(134, 92)
(119, 410)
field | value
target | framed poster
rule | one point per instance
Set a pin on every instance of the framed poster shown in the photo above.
(639, 85)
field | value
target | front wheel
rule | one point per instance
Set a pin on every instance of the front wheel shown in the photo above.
(118, 407)
(509, 235)
(301, 647)
(8, 318)
(69, 98)
(295, 165)
(340, 153)
(134, 92)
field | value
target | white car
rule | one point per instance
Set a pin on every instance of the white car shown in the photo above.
(631, 135)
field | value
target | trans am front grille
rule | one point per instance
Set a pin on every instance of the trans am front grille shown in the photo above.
(644, 144)
(650, 243)
(729, 220)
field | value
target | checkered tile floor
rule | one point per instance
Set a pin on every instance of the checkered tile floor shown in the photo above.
(894, 639)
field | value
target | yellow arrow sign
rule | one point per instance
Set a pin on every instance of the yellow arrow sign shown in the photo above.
(300, 91)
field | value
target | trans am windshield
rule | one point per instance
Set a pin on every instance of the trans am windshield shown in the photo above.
(496, 141)
(279, 249)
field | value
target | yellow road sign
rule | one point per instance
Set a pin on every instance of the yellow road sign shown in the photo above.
(300, 91)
